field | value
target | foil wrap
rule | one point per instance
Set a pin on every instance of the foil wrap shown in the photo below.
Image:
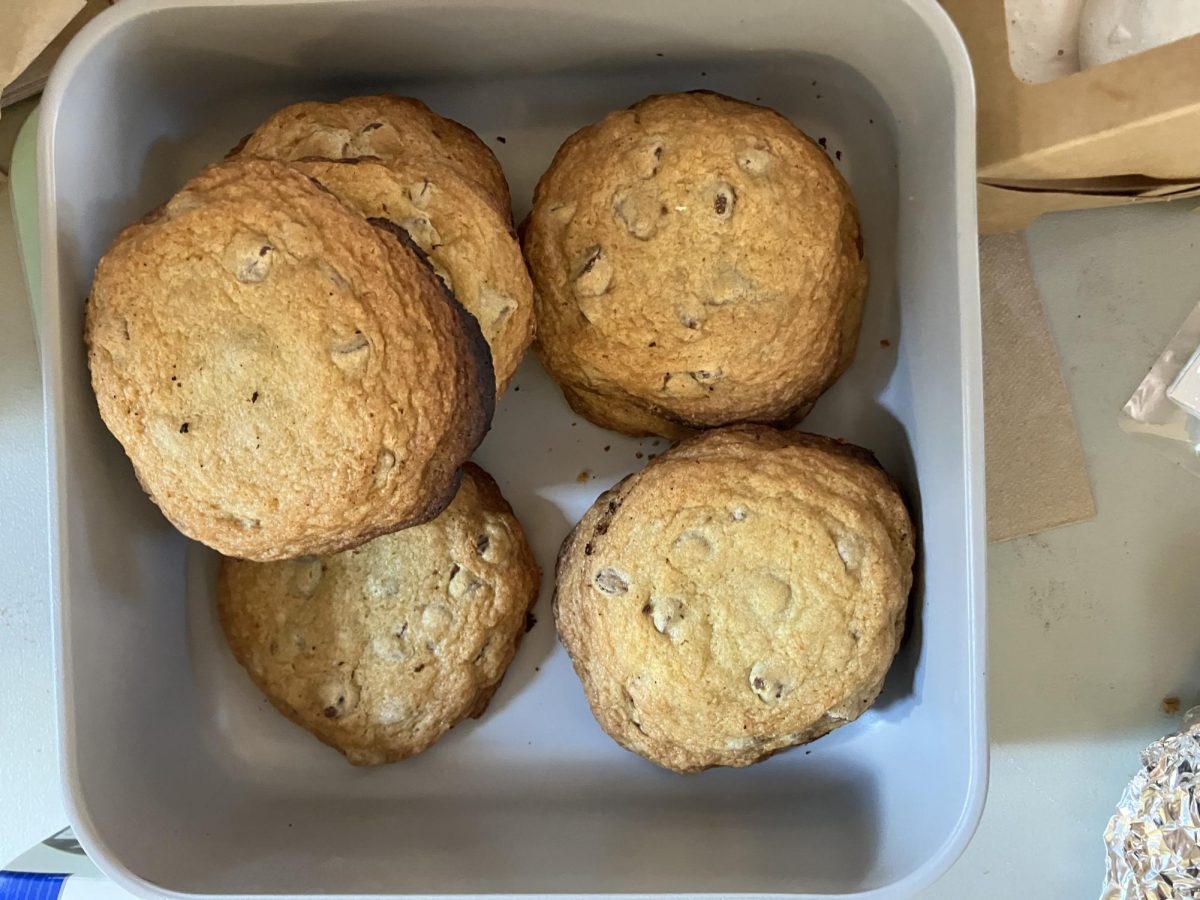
(1153, 841)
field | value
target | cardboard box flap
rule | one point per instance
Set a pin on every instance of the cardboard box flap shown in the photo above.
(1080, 126)
(1114, 185)
(1004, 209)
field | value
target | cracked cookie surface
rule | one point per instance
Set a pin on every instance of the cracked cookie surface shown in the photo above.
(380, 650)
(285, 377)
(385, 126)
(744, 593)
(697, 262)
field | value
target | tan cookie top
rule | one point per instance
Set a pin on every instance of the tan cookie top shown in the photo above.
(697, 261)
(286, 377)
(380, 650)
(469, 244)
(391, 128)
(745, 592)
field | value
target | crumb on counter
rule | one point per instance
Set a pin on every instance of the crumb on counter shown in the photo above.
(583, 476)
(1170, 706)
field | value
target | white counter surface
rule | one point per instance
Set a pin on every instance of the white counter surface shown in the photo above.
(1091, 626)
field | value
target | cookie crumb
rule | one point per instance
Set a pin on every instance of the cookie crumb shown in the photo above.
(530, 621)
(824, 144)
(838, 154)
(607, 447)
(583, 476)
(658, 54)
(884, 342)
(638, 455)
(516, 388)
(1170, 706)
(502, 139)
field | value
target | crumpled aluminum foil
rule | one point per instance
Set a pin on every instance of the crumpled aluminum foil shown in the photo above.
(1153, 841)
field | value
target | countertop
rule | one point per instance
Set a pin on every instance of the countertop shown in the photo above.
(1091, 625)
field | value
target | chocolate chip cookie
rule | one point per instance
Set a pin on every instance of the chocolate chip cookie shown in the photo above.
(697, 261)
(286, 377)
(378, 651)
(743, 593)
(385, 126)
(470, 245)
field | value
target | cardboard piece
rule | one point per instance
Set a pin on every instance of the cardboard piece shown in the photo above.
(33, 33)
(1138, 116)
(1036, 474)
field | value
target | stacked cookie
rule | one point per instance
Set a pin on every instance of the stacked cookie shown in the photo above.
(299, 352)
(698, 262)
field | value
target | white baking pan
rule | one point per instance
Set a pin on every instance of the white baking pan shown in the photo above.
(182, 781)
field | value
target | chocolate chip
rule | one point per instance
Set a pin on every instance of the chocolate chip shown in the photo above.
(612, 582)
(419, 668)
(254, 397)
(724, 200)
(593, 273)
(481, 544)
(331, 712)
(183, 429)
(371, 126)
(588, 549)
(530, 621)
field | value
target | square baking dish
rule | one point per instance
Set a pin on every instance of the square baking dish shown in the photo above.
(182, 781)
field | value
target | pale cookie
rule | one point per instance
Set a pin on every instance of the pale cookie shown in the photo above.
(286, 377)
(743, 593)
(696, 262)
(378, 651)
(385, 126)
(470, 245)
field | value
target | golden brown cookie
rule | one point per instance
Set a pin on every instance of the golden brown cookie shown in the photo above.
(391, 128)
(378, 651)
(743, 593)
(468, 242)
(286, 377)
(696, 261)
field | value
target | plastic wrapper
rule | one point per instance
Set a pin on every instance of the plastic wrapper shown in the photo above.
(1154, 412)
